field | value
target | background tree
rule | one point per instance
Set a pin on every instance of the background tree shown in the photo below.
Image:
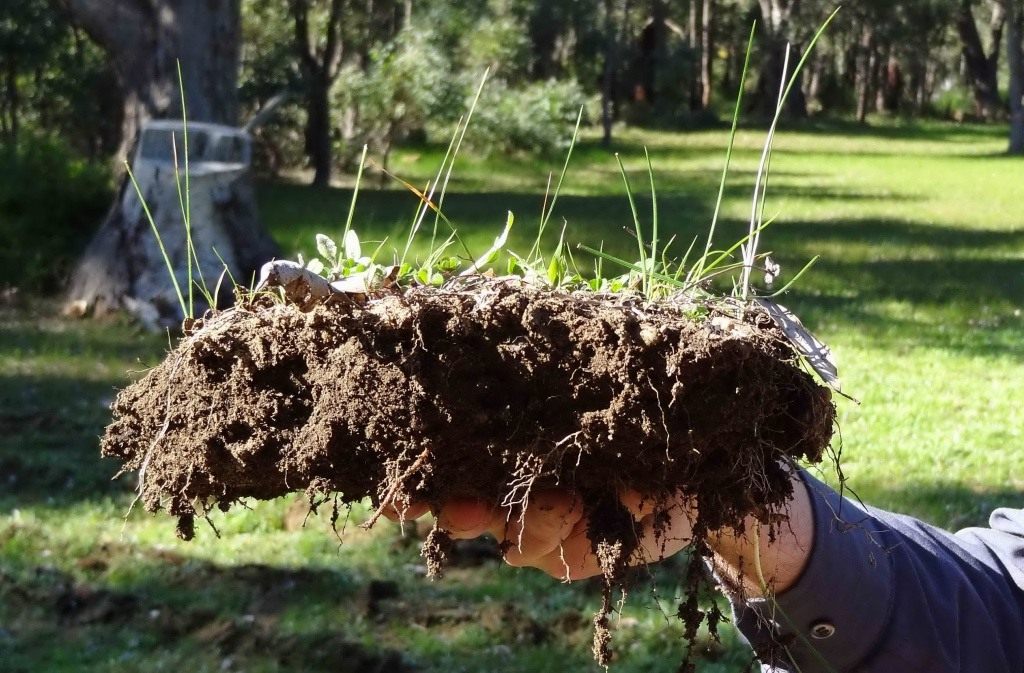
(318, 45)
(1015, 56)
(777, 30)
(982, 68)
(144, 40)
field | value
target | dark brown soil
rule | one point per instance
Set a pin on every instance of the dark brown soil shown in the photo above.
(486, 389)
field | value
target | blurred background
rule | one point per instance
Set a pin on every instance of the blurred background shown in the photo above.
(897, 161)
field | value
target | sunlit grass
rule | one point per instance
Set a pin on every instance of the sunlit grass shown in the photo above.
(919, 291)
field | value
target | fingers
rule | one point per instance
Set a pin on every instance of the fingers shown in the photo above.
(661, 535)
(466, 518)
(548, 520)
(638, 504)
(398, 512)
(552, 534)
(574, 558)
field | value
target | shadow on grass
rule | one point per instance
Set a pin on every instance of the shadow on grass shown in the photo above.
(153, 609)
(49, 446)
(180, 611)
(898, 129)
(295, 214)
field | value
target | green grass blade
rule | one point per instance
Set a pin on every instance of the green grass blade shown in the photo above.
(728, 152)
(159, 239)
(227, 268)
(437, 179)
(738, 244)
(548, 209)
(636, 219)
(795, 278)
(458, 145)
(499, 244)
(632, 266)
(654, 211)
(750, 250)
(355, 194)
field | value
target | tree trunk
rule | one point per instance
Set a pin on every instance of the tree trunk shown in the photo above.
(318, 132)
(982, 69)
(697, 44)
(145, 40)
(865, 66)
(608, 73)
(890, 83)
(1015, 56)
(707, 52)
(774, 39)
(320, 67)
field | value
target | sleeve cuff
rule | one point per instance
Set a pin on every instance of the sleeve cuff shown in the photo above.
(837, 612)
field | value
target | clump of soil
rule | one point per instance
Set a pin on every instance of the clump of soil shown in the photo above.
(485, 388)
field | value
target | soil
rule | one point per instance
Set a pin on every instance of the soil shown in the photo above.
(486, 388)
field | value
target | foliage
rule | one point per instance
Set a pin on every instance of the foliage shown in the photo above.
(406, 83)
(49, 204)
(54, 81)
(531, 118)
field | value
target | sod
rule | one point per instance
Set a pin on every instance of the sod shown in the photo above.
(484, 388)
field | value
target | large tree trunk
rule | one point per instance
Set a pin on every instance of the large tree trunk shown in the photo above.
(144, 41)
(776, 35)
(982, 68)
(1015, 56)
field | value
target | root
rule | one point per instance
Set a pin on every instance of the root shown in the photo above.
(435, 551)
(395, 486)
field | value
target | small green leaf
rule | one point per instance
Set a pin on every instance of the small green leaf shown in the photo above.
(448, 264)
(316, 266)
(437, 280)
(327, 248)
(512, 265)
(555, 270)
(423, 276)
(352, 248)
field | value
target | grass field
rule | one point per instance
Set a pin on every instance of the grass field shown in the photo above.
(919, 290)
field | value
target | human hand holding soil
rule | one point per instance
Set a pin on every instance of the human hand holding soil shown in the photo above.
(552, 535)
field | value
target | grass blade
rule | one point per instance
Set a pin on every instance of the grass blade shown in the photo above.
(636, 220)
(795, 278)
(355, 194)
(159, 239)
(654, 211)
(699, 266)
(546, 211)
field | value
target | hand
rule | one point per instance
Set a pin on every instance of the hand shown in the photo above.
(552, 533)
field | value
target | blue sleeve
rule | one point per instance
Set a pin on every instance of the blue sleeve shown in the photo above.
(884, 593)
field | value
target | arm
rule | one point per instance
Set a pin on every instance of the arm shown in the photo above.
(850, 588)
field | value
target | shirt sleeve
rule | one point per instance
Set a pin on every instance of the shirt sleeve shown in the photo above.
(884, 593)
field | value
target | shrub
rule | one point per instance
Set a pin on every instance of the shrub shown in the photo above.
(537, 117)
(50, 203)
(407, 82)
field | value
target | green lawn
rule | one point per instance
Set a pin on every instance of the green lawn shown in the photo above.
(919, 290)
